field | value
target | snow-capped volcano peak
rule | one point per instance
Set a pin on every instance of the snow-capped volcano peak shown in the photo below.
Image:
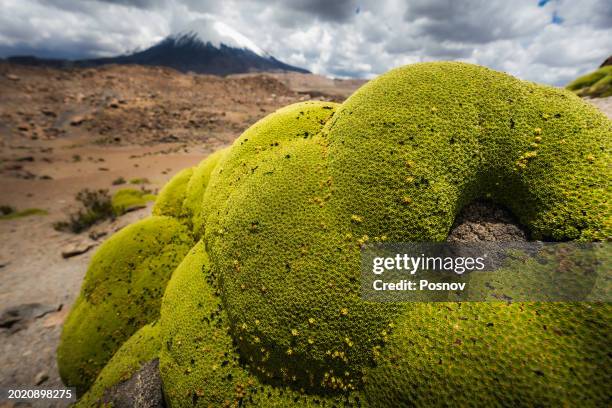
(217, 33)
(206, 46)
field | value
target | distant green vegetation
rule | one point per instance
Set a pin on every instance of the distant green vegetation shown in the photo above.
(118, 181)
(10, 213)
(128, 199)
(98, 205)
(140, 180)
(95, 206)
(597, 84)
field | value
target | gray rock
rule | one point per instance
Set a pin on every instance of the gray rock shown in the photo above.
(75, 248)
(483, 221)
(142, 390)
(41, 377)
(15, 318)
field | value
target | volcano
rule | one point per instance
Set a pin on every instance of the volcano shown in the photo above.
(206, 47)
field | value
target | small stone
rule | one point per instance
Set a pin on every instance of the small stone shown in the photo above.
(41, 377)
(77, 120)
(17, 317)
(96, 234)
(142, 389)
(13, 77)
(48, 112)
(76, 248)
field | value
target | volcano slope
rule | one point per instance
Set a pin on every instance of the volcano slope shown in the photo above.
(265, 307)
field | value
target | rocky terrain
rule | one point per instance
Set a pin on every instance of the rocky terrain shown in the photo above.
(62, 131)
(604, 104)
(65, 130)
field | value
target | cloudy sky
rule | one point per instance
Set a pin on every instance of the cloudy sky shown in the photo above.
(550, 41)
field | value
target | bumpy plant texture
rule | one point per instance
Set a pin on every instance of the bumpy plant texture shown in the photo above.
(265, 310)
(597, 84)
(121, 292)
(139, 349)
(171, 197)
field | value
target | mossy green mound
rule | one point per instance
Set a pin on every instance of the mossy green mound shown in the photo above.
(266, 143)
(170, 199)
(495, 354)
(266, 308)
(139, 349)
(129, 199)
(269, 244)
(284, 230)
(597, 84)
(199, 362)
(121, 292)
(538, 150)
(196, 187)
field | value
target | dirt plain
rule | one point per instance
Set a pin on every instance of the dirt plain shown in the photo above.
(62, 131)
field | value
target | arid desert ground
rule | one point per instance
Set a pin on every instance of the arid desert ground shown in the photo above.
(65, 131)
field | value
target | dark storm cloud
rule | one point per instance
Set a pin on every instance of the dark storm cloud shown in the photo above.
(85, 7)
(448, 52)
(302, 13)
(603, 14)
(543, 40)
(146, 4)
(59, 52)
(326, 10)
(472, 21)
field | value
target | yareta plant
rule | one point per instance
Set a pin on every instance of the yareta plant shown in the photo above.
(596, 84)
(245, 281)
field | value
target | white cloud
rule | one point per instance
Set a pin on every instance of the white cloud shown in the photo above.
(88, 30)
(338, 38)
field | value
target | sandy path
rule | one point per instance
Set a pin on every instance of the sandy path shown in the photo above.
(605, 104)
(37, 273)
(32, 269)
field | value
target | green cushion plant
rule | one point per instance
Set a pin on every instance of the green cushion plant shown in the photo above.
(596, 84)
(265, 309)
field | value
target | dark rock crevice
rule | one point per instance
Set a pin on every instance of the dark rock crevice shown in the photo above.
(142, 390)
(485, 221)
